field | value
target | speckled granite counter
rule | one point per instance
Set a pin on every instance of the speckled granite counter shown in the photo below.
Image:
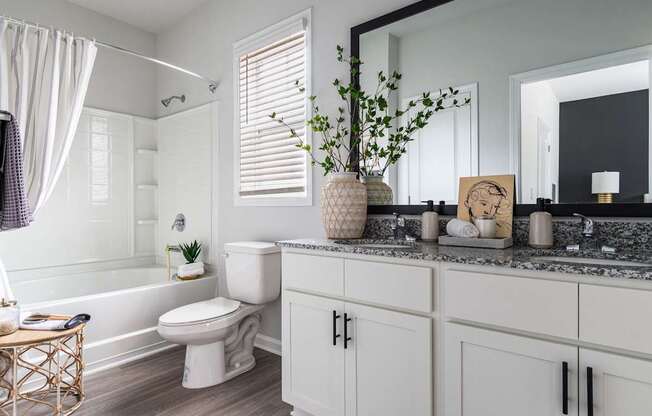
(523, 258)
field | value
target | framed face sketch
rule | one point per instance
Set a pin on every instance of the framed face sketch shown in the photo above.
(491, 196)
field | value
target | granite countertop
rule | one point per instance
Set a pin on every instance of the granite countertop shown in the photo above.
(523, 258)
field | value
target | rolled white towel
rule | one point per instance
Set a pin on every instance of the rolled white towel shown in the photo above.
(461, 228)
(190, 270)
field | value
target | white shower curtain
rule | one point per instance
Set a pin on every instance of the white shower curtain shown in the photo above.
(44, 77)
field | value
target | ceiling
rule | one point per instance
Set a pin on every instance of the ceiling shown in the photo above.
(612, 80)
(150, 15)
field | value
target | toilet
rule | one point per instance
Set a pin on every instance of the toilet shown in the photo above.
(219, 333)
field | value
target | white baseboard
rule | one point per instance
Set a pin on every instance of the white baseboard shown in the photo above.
(268, 344)
(124, 358)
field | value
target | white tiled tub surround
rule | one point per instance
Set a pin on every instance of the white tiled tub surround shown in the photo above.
(108, 240)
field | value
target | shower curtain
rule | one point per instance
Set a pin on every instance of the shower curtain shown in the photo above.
(44, 76)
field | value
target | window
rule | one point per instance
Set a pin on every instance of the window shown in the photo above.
(269, 168)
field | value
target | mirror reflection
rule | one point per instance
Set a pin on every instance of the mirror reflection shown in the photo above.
(585, 136)
(558, 97)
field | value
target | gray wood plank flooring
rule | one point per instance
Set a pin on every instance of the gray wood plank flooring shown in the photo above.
(152, 386)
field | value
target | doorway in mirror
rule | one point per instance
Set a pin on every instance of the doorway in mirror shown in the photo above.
(441, 153)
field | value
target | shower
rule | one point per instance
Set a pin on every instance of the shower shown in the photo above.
(167, 101)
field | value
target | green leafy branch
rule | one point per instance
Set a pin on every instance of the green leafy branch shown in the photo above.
(374, 131)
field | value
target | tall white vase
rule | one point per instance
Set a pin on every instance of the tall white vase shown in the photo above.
(343, 206)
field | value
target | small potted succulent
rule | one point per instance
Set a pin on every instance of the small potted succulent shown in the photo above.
(193, 268)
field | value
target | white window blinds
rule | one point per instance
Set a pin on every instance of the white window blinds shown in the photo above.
(270, 162)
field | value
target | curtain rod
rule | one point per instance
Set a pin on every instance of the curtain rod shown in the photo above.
(212, 84)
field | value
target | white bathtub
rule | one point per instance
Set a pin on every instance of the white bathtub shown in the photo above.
(124, 305)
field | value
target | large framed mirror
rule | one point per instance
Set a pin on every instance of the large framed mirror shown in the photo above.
(558, 95)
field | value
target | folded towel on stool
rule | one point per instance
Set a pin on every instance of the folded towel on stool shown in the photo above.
(461, 228)
(44, 322)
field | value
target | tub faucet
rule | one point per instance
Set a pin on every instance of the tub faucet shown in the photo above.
(168, 249)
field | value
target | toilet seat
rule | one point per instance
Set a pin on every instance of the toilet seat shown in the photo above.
(200, 312)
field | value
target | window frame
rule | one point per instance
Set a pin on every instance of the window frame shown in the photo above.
(260, 39)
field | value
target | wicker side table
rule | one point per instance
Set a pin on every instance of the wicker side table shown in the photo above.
(42, 372)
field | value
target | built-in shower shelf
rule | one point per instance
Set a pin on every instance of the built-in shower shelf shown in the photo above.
(147, 221)
(147, 186)
(149, 152)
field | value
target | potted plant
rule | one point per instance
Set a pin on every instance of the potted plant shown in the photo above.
(193, 268)
(343, 199)
(384, 134)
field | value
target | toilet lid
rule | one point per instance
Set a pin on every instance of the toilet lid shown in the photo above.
(200, 311)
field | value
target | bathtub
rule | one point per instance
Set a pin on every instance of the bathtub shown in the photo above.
(124, 305)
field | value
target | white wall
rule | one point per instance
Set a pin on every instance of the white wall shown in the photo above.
(489, 45)
(119, 82)
(204, 42)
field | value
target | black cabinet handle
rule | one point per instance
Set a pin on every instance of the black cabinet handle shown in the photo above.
(347, 338)
(589, 391)
(564, 388)
(335, 334)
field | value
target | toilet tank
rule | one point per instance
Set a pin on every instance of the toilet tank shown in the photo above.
(253, 271)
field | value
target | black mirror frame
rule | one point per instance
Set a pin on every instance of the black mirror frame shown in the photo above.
(595, 210)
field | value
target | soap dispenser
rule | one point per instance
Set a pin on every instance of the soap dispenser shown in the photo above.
(540, 235)
(429, 222)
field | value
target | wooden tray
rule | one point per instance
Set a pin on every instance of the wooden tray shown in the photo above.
(495, 243)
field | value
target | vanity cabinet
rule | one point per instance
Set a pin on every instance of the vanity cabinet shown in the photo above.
(527, 345)
(492, 373)
(620, 385)
(352, 352)
(372, 336)
(313, 366)
(388, 363)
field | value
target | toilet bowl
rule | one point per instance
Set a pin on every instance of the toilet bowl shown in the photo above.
(219, 333)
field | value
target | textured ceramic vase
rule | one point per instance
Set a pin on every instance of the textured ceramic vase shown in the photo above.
(378, 192)
(343, 206)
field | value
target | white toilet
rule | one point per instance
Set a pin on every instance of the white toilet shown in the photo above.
(219, 333)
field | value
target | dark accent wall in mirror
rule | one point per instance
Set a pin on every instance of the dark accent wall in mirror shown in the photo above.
(571, 120)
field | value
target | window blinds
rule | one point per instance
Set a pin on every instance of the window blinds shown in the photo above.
(270, 162)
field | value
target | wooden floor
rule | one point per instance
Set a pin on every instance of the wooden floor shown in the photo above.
(152, 386)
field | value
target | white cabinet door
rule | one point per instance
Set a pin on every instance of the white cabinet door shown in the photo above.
(388, 363)
(489, 373)
(622, 386)
(313, 368)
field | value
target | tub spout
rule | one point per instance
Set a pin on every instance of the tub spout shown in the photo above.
(168, 249)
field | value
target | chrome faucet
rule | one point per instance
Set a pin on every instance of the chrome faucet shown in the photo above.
(398, 225)
(588, 232)
(587, 223)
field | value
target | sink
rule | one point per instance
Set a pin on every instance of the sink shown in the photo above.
(383, 245)
(590, 261)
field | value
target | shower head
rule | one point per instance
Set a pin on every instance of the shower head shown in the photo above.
(167, 101)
